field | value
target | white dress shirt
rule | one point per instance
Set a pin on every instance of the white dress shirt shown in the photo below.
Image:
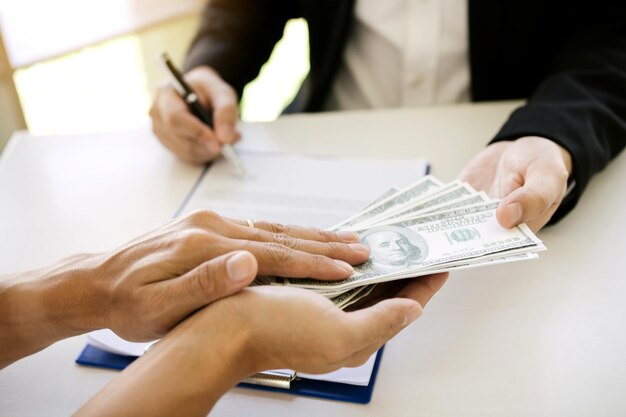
(404, 53)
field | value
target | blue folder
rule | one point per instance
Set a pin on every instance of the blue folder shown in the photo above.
(93, 356)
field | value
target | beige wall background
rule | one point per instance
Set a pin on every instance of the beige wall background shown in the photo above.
(103, 79)
(57, 57)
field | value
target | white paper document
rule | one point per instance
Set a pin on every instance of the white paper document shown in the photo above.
(299, 189)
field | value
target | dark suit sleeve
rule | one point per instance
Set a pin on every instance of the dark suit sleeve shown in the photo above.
(581, 105)
(236, 37)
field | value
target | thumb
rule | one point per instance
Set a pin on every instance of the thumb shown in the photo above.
(422, 289)
(544, 182)
(212, 280)
(382, 321)
(543, 188)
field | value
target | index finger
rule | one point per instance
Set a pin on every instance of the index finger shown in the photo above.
(278, 260)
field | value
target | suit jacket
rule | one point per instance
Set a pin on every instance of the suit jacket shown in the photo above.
(566, 57)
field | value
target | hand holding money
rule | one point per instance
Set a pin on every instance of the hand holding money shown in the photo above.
(426, 228)
(530, 175)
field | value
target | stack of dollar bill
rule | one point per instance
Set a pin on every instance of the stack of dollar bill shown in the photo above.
(425, 228)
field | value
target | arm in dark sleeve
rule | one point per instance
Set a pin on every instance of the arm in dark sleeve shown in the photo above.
(236, 37)
(581, 106)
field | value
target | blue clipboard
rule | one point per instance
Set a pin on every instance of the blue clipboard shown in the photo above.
(93, 356)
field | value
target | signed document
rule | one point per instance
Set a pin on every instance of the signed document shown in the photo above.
(299, 189)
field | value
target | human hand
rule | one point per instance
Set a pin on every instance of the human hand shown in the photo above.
(146, 287)
(154, 282)
(257, 329)
(286, 327)
(183, 133)
(529, 175)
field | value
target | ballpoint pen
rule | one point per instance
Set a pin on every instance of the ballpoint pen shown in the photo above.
(191, 98)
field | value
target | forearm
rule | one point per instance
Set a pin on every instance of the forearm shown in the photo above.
(40, 307)
(236, 37)
(581, 105)
(179, 376)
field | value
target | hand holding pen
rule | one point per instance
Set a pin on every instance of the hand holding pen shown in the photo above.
(196, 119)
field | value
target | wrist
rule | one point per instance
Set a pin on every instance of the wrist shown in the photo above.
(186, 372)
(567, 160)
(72, 296)
(215, 341)
(42, 306)
(217, 364)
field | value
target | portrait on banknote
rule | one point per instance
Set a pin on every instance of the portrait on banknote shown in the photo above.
(394, 248)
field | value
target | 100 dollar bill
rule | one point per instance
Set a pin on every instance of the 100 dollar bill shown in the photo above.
(405, 248)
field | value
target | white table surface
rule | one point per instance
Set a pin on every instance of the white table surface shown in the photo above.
(541, 338)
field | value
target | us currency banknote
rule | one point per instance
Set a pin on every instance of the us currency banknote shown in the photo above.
(425, 228)
(414, 247)
(410, 193)
(448, 194)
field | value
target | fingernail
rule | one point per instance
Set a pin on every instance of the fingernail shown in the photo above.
(514, 213)
(412, 315)
(344, 265)
(348, 236)
(359, 247)
(239, 267)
